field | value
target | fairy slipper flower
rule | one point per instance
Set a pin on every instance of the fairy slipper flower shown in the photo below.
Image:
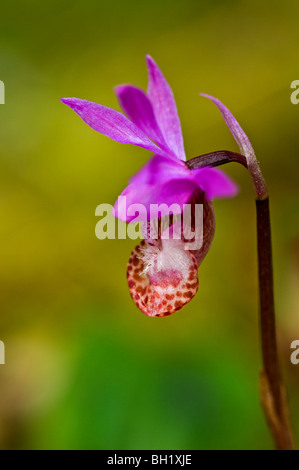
(162, 273)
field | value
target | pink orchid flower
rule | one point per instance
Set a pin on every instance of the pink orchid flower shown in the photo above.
(162, 273)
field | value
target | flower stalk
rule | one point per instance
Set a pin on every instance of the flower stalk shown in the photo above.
(217, 158)
(272, 387)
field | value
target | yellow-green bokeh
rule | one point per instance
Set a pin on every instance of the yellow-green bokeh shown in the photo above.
(84, 368)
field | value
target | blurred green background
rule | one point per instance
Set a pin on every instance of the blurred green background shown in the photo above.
(84, 368)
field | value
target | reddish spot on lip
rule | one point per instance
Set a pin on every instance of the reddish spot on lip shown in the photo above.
(161, 293)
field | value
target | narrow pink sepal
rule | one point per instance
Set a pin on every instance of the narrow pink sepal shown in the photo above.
(162, 99)
(111, 123)
(139, 110)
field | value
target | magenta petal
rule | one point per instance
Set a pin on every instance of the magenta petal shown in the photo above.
(139, 109)
(132, 194)
(111, 123)
(174, 192)
(161, 97)
(235, 128)
(214, 183)
(160, 170)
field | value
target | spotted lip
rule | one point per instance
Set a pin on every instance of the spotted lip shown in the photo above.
(163, 293)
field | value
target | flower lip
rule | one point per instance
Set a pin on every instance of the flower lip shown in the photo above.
(162, 278)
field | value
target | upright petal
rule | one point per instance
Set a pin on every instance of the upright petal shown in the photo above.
(214, 183)
(165, 110)
(139, 109)
(162, 270)
(111, 123)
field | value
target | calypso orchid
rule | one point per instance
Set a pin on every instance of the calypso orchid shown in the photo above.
(162, 273)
